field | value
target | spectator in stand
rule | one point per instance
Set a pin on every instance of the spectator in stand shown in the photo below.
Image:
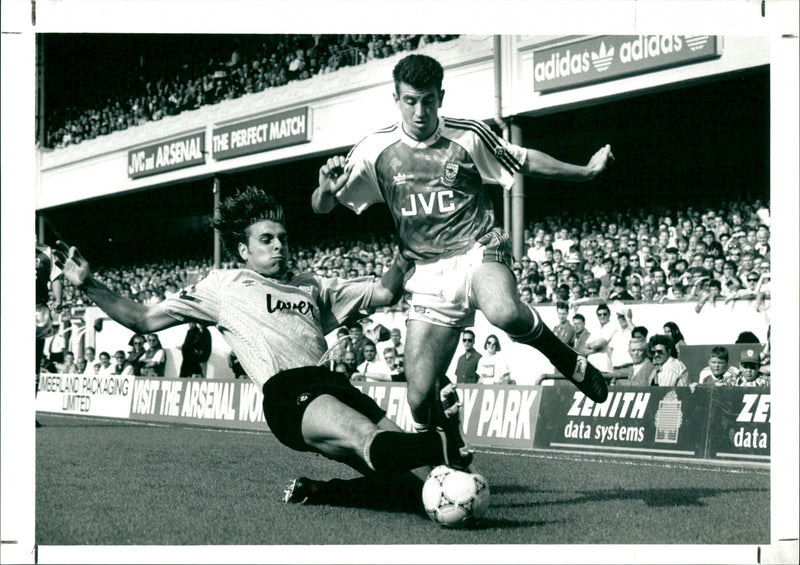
(119, 362)
(710, 295)
(359, 340)
(639, 332)
(196, 350)
(540, 294)
(89, 358)
(467, 364)
(372, 369)
(564, 330)
(154, 360)
(635, 290)
(397, 341)
(581, 334)
(340, 347)
(600, 344)
(757, 288)
(667, 369)
(59, 343)
(80, 367)
(492, 367)
(718, 372)
(619, 289)
(263, 65)
(749, 366)
(133, 362)
(620, 358)
(672, 330)
(46, 366)
(68, 367)
(104, 366)
(391, 359)
(746, 268)
(348, 364)
(641, 368)
(236, 366)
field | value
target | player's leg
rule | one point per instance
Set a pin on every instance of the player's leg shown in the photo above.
(429, 349)
(399, 491)
(431, 396)
(340, 432)
(495, 294)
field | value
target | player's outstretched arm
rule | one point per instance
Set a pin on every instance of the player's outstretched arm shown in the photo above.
(389, 288)
(333, 176)
(131, 314)
(542, 165)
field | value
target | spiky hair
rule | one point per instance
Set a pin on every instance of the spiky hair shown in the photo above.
(238, 212)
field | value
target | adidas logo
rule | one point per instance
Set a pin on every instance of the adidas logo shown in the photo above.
(696, 42)
(602, 60)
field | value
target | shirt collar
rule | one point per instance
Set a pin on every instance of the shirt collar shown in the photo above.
(433, 138)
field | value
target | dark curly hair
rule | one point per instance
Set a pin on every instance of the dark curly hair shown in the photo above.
(236, 213)
(666, 341)
(419, 71)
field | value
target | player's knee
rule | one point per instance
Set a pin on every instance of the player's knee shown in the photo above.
(416, 395)
(506, 316)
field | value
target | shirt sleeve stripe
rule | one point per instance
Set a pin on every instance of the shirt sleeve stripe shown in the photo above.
(489, 139)
(388, 129)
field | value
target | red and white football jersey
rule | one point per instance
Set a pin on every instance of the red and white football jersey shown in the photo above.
(435, 188)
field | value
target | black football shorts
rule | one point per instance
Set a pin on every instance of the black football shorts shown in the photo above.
(288, 393)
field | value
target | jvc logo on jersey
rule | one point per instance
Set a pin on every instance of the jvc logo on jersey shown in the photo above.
(302, 306)
(437, 202)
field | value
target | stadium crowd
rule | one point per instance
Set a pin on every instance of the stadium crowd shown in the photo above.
(677, 255)
(719, 253)
(208, 76)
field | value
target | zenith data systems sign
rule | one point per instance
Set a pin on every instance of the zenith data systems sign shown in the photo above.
(611, 57)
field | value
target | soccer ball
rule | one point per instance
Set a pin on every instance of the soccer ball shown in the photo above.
(455, 499)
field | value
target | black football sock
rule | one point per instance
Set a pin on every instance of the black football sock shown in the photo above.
(390, 452)
(398, 491)
(561, 355)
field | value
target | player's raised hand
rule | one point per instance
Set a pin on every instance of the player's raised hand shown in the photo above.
(75, 268)
(333, 175)
(600, 160)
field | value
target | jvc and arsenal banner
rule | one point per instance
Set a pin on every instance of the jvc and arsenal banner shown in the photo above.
(176, 153)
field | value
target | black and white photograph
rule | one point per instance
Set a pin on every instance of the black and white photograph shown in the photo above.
(400, 282)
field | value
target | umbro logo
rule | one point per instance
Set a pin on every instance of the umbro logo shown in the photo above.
(248, 282)
(400, 179)
(580, 369)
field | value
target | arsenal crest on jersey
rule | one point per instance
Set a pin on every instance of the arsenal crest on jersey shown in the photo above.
(450, 173)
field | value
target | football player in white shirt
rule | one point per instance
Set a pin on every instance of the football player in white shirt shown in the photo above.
(275, 323)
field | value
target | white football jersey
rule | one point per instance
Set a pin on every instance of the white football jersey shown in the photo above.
(269, 325)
